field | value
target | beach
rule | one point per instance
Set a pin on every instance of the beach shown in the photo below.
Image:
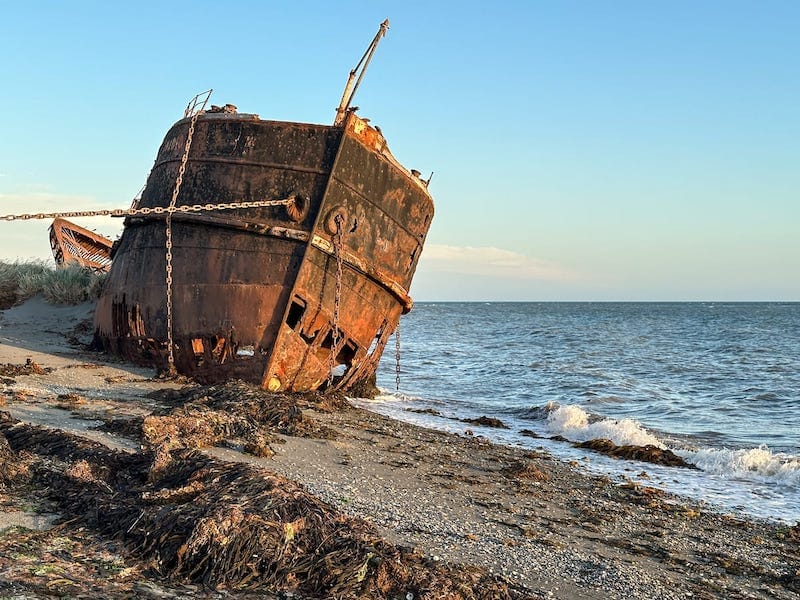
(501, 521)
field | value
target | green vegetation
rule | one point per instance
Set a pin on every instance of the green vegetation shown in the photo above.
(67, 285)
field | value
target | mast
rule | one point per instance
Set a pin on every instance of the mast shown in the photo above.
(352, 83)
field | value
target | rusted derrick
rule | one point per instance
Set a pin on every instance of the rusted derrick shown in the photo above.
(74, 244)
(254, 291)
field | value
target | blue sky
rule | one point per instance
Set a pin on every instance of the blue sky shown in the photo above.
(581, 150)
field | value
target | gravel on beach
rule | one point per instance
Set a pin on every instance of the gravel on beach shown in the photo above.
(454, 499)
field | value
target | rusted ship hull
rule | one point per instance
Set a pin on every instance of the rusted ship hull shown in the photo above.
(72, 244)
(256, 292)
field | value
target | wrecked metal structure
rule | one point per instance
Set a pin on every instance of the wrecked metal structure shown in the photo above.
(73, 244)
(299, 291)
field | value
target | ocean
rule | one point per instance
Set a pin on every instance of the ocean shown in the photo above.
(717, 383)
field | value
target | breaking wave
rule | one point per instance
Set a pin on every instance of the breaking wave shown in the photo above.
(747, 463)
(577, 425)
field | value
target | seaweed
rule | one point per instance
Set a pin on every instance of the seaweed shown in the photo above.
(647, 453)
(198, 520)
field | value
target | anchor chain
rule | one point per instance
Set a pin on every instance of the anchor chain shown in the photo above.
(144, 212)
(172, 203)
(397, 357)
(337, 297)
(136, 211)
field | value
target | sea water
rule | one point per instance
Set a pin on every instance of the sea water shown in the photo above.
(717, 383)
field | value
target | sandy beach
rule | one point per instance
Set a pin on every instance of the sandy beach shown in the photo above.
(98, 456)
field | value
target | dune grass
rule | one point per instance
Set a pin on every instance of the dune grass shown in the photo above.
(67, 285)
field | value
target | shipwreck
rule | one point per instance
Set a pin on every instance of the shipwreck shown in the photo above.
(278, 253)
(73, 244)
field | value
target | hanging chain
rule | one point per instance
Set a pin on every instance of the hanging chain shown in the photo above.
(397, 357)
(172, 203)
(337, 297)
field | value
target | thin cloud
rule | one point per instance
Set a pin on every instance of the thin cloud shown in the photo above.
(491, 261)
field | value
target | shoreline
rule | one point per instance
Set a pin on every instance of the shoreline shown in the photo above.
(523, 514)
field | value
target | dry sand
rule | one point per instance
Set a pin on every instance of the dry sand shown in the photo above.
(535, 520)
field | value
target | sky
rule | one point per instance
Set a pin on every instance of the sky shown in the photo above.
(580, 150)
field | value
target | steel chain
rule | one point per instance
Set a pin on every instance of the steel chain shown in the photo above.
(156, 210)
(337, 297)
(173, 201)
(397, 357)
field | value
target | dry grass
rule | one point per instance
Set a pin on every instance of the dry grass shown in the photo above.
(68, 285)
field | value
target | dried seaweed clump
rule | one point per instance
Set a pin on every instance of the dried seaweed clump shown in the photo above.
(15, 469)
(30, 367)
(232, 526)
(9, 462)
(208, 415)
(524, 470)
(487, 422)
(648, 453)
(193, 426)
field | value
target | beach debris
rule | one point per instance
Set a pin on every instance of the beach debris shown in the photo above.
(232, 526)
(30, 367)
(647, 453)
(70, 400)
(529, 433)
(130, 427)
(425, 411)
(794, 532)
(486, 422)
(203, 416)
(7, 459)
(524, 470)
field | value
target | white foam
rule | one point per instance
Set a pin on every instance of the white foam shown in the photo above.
(749, 463)
(573, 423)
(760, 464)
(387, 397)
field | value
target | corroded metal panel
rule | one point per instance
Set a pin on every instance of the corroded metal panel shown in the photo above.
(385, 214)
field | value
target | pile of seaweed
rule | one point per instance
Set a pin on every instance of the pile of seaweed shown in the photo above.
(231, 526)
(236, 414)
(647, 453)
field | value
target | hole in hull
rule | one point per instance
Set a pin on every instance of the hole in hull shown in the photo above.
(296, 312)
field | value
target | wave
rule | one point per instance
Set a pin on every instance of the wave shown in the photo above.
(575, 424)
(748, 463)
(391, 397)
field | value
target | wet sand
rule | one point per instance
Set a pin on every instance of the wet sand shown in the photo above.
(454, 499)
